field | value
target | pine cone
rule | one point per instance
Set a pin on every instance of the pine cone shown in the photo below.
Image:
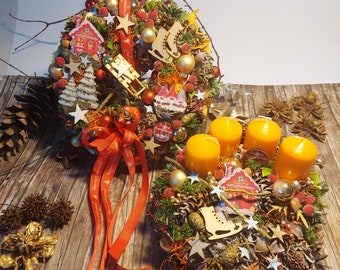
(23, 118)
(296, 260)
(11, 218)
(60, 212)
(34, 208)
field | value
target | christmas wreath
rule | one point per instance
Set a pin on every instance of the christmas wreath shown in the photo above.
(135, 81)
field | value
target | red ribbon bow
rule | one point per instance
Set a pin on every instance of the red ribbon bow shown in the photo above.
(112, 144)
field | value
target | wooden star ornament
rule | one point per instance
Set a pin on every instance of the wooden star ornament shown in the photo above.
(277, 233)
(124, 23)
(73, 66)
(151, 145)
(78, 114)
(197, 246)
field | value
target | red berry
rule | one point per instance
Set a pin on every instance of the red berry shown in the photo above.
(185, 48)
(154, 75)
(218, 174)
(310, 199)
(158, 65)
(62, 82)
(308, 210)
(148, 133)
(156, 88)
(60, 61)
(56, 86)
(189, 87)
(192, 79)
(103, 11)
(273, 176)
(153, 14)
(149, 23)
(180, 158)
(176, 124)
(301, 196)
(216, 71)
(168, 193)
(142, 15)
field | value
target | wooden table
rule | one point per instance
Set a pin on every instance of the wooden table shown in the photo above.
(35, 170)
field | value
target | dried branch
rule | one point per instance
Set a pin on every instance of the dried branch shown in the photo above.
(47, 24)
(205, 30)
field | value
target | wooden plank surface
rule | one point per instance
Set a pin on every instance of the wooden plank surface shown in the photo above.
(35, 170)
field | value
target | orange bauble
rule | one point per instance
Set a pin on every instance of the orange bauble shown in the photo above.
(100, 74)
(148, 97)
(106, 120)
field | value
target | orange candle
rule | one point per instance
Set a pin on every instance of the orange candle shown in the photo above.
(202, 153)
(295, 158)
(263, 134)
(228, 132)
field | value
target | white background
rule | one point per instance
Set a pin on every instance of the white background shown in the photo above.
(259, 41)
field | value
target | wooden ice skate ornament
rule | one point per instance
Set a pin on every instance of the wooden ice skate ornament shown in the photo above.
(217, 227)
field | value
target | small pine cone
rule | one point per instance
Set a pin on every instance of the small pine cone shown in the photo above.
(296, 260)
(60, 212)
(34, 208)
(11, 218)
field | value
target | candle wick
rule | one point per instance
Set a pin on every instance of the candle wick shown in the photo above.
(264, 117)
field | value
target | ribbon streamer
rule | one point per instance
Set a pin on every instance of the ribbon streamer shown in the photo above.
(112, 144)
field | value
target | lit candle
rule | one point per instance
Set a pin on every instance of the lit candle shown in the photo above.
(228, 132)
(295, 158)
(202, 153)
(263, 134)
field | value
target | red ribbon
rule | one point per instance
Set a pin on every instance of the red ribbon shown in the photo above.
(112, 144)
(126, 39)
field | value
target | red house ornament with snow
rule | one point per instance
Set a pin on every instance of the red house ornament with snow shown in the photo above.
(86, 38)
(239, 180)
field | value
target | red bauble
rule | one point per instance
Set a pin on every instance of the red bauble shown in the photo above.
(148, 97)
(106, 120)
(100, 74)
(89, 4)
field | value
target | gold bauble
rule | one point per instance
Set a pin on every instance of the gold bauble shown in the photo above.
(283, 190)
(186, 63)
(148, 35)
(177, 178)
(111, 4)
(134, 4)
(55, 72)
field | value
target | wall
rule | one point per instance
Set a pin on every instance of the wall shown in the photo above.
(259, 41)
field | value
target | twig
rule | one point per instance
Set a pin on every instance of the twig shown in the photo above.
(47, 24)
(205, 30)
(14, 67)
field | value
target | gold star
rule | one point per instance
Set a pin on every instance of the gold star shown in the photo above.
(124, 23)
(277, 233)
(73, 66)
(151, 145)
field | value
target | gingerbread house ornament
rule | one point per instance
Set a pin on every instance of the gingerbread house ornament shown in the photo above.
(240, 181)
(86, 38)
